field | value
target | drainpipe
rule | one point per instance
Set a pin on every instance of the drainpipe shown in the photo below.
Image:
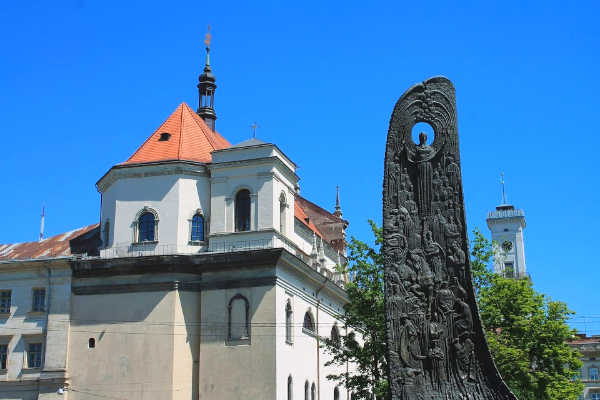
(318, 341)
(49, 296)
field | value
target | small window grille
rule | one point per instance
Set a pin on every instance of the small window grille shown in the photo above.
(34, 355)
(5, 296)
(39, 300)
(92, 343)
(3, 355)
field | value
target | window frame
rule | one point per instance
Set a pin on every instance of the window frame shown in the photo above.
(306, 390)
(34, 305)
(193, 241)
(28, 353)
(136, 226)
(590, 376)
(311, 331)
(313, 392)
(335, 336)
(5, 311)
(242, 340)
(236, 211)
(290, 387)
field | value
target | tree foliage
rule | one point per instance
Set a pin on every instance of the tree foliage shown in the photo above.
(364, 313)
(526, 331)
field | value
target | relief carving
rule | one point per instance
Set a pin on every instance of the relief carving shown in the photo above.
(435, 343)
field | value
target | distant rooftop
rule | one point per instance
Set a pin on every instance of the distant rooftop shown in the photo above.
(249, 142)
(55, 246)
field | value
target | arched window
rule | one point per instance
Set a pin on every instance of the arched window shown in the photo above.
(336, 394)
(289, 388)
(335, 336)
(282, 207)
(146, 225)
(288, 323)
(238, 326)
(197, 228)
(242, 211)
(313, 392)
(308, 324)
(306, 391)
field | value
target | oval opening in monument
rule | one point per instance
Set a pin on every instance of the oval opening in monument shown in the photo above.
(425, 128)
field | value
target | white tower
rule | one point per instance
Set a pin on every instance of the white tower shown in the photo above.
(506, 225)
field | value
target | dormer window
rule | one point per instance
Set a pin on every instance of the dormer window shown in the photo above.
(164, 136)
(242, 210)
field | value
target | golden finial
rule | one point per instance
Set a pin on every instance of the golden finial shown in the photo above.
(207, 38)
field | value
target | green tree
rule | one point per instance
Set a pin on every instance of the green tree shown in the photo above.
(526, 332)
(364, 313)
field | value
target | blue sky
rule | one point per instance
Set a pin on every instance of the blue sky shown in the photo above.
(85, 82)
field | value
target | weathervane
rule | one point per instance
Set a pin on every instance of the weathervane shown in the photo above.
(207, 38)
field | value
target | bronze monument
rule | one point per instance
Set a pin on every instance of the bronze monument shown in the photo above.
(436, 347)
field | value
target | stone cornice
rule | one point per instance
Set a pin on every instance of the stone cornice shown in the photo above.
(159, 168)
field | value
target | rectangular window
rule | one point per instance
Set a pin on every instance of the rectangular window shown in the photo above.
(34, 355)
(593, 373)
(39, 300)
(3, 355)
(595, 396)
(5, 301)
(509, 270)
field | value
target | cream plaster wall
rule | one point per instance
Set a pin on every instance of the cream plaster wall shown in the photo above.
(238, 371)
(175, 195)
(145, 345)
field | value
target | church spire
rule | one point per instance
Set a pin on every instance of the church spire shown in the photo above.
(338, 208)
(206, 89)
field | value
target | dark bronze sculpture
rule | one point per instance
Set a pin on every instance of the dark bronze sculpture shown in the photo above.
(435, 343)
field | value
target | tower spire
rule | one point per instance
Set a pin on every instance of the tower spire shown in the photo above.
(206, 89)
(338, 208)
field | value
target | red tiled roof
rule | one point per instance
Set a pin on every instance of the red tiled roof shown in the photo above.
(303, 217)
(55, 246)
(191, 139)
(582, 338)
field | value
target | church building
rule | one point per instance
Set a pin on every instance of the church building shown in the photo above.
(207, 276)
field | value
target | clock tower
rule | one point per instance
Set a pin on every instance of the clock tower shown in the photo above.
(506, 224)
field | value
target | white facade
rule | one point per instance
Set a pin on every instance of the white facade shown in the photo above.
(507, 225)
(151, 307)
(33, 322)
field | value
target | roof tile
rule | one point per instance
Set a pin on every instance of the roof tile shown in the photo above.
(190, 139)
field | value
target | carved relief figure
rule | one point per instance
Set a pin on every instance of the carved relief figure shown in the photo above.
(435, 343)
